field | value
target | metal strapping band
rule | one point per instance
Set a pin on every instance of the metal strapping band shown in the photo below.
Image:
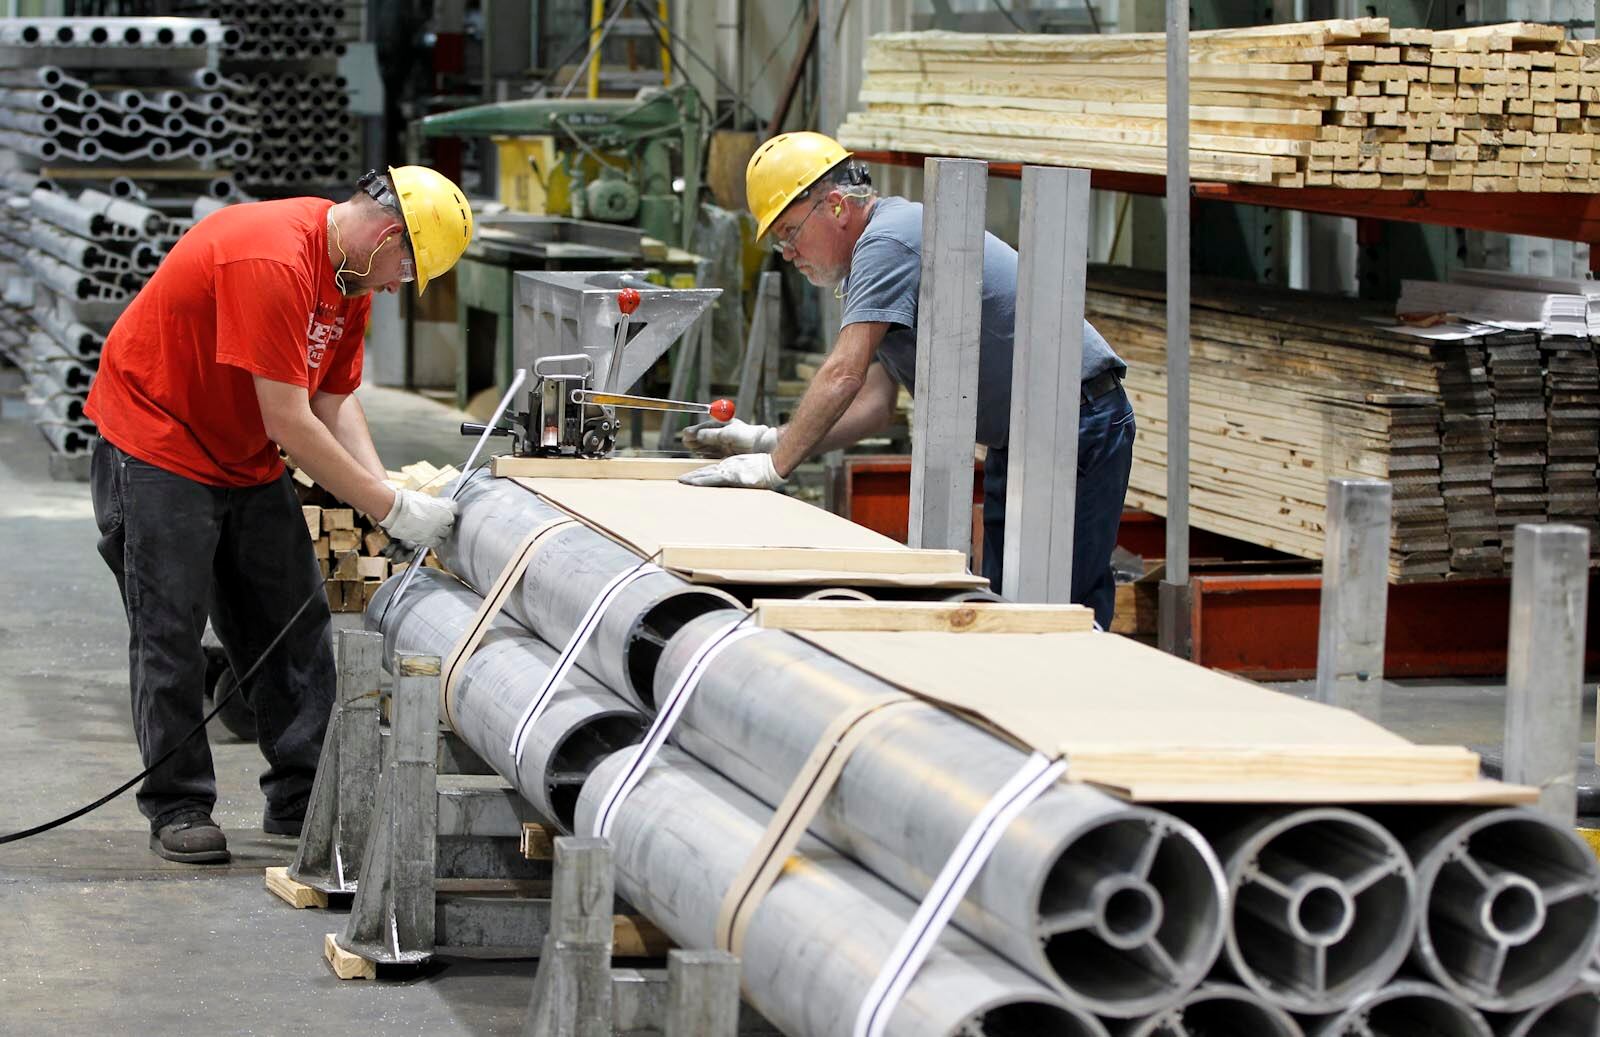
(671, 709)
(952, 883)
(574, 646)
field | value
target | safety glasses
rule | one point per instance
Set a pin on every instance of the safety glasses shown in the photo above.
(786, 243)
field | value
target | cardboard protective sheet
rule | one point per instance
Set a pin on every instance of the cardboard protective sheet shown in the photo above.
(1159, 729)
(648, 514)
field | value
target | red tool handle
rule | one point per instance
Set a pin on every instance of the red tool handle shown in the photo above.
(628, 300)
(721, 410)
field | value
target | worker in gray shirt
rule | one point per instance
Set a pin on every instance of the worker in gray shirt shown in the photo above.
(825, 218)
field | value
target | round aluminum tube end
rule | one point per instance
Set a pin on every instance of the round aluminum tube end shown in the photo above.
(1217, 1008)
(1031, 1019)
(1130, 915)
(1512, 910)
(1404, 1009)
(837, 594)
(1575, 1015)
(1323, 906)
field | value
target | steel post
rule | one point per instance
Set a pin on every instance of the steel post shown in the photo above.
(949, 317)
(340, 809)
(393, 916)
(1544, 664)
(1355, 595)
(1173, 632)
(1046, 385)
(702, 994)
(572, 990)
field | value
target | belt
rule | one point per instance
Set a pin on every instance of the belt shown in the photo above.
(1100, 384)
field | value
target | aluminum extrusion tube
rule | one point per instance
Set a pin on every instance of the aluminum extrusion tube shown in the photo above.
(124, 213)
(68, 439)
(1119, 906)
(1215, 1009)
(819, 937)
(583, 723)
(1512, 906)
(1575, 1015)
(73, 336)
(1404, 1009)
(566, 575)
(64, 212)
(1322, 903)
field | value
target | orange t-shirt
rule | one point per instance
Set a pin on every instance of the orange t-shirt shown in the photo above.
(247, 291)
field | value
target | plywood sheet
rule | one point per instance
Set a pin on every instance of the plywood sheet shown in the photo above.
(1135, 718)
(732, 525)
(508, 467)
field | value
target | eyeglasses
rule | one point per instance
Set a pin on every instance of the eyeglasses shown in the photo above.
(786, 243)
(408, 262)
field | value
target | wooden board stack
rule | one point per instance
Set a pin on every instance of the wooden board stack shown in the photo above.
(1340, 103)
(1291, 389)
(353, 553)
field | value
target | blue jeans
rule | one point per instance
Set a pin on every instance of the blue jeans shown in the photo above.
(1105, 457)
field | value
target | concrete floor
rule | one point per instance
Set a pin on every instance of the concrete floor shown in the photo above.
(97, 934)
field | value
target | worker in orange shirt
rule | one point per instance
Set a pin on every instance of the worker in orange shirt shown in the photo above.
(248, 339)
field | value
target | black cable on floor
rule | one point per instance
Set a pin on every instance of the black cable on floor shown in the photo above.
(131, 782)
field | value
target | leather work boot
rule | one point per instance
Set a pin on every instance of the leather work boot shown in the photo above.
(289, 826)
(191, 838)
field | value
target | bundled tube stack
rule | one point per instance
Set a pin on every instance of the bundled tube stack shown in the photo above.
(285, 55)
(1092, 917)
(116, 128)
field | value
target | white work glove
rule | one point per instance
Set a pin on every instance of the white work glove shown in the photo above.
(726, 438)
(750, 471)
(419, 519)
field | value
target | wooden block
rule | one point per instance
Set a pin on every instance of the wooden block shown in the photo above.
(442, 478)
(322, 564)
(635, 936)
(508, 467)
(338, 518)
(371, 568)
(321, 547)
(951, 617)
(301, 478)
(342, 540)
(689, 557)
(335, 591)
(369, 590)
(344, 964)
(347, 566)
(313, 516)
(417, 474)
(538, 842)
(375, 540)
(296, 894)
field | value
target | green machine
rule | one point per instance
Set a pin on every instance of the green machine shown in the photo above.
(638, 147)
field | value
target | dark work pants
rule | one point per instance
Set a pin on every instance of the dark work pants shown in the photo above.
(1105, 457)
(179, 548)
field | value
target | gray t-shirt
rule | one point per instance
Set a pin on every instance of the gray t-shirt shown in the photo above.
(883, 285)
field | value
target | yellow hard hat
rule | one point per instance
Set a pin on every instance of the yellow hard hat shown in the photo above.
(782, 169)
(437, 216)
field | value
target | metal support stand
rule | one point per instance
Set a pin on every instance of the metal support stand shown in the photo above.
(1544, 679)
(1046, 385)
(949, 314)
(392, 919)
(335, 829)
(442, 847)
(577, 993)
(1173, 629)
(1355, 595)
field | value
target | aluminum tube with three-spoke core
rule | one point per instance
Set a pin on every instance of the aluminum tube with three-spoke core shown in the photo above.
(582, 724)
(823, 931)
(1118, 906)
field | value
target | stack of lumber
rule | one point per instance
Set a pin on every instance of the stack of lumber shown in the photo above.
(1339, 103)
(354, 554)
(1290, 389)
